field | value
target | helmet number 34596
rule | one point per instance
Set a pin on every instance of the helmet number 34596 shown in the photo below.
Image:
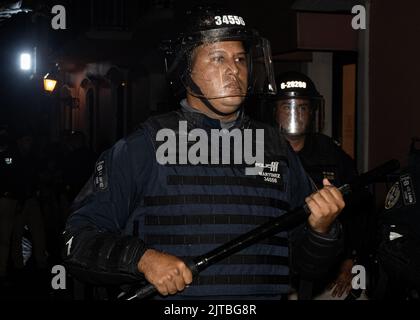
(219, 20)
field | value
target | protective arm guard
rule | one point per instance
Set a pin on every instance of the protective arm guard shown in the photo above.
(102, 258)
(313, 254)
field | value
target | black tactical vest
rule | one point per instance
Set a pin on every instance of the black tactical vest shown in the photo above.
(189, 210)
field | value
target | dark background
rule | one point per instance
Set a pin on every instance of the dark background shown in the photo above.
(112, 42)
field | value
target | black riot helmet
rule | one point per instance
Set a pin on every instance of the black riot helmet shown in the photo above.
(206, 25)
(298, 106)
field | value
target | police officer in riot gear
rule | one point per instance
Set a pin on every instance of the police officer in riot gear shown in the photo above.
(398, 254)
(138, 218)
(299, 114)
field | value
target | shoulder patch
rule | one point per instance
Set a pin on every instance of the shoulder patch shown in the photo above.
(100, 178)
(393, 196)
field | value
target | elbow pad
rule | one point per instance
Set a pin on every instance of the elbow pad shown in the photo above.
(101, 257)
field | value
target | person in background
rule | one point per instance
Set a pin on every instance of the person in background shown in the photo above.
(297, 110)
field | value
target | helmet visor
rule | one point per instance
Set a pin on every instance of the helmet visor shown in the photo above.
(294, 116)
(226, 63)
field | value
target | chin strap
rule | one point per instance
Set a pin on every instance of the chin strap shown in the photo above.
(199, 94)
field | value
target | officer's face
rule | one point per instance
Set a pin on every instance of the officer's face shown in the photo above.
(292, 115)
(220, 70)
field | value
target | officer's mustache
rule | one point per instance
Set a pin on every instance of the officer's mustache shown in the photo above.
(232, 83)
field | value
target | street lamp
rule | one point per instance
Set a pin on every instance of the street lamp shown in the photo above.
(25, 61)
(49, 83)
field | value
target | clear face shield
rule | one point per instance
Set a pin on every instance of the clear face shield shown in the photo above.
(294, 116)
(218, 70)
(227, 64)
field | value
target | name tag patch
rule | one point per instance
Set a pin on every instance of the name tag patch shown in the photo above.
(101, 177)
(409, 196)
(270, 172)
